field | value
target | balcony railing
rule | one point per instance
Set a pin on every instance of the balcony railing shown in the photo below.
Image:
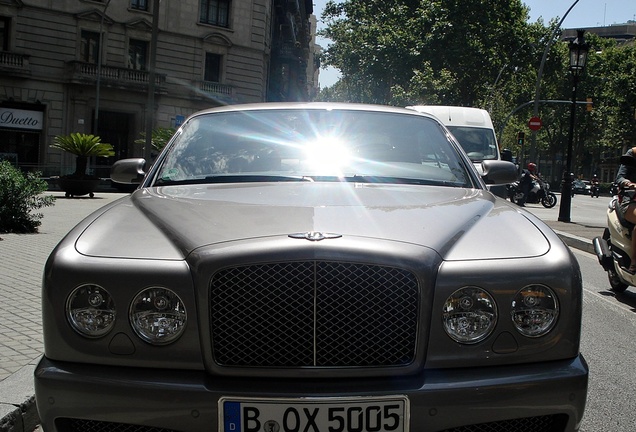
(86, 73)
(209, 89)
(217, 88)
(13, 62)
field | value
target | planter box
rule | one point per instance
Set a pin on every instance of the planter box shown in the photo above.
(78, 187)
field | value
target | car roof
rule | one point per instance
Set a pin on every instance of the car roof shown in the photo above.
(457, 115)
(313, 105)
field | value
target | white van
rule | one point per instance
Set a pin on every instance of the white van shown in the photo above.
(473, 129)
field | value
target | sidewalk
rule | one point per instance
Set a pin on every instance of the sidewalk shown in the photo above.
(22, 258)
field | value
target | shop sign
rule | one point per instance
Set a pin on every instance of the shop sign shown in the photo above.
(21, 119)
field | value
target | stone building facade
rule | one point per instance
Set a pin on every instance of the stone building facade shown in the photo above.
(87, 66)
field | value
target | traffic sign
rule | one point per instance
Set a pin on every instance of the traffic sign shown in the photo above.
(535, 123)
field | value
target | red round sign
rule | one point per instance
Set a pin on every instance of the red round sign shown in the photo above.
(534, 123)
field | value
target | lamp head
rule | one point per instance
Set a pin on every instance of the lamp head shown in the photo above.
(578, 53)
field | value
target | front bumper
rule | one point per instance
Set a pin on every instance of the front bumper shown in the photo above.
(440, 400)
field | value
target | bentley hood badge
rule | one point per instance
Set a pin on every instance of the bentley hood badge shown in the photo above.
(314, 236)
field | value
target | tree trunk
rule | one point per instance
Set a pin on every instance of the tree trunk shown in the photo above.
(81, 163)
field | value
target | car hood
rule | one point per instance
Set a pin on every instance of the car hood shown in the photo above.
(171, 222)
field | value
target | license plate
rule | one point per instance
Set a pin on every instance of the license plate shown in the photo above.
(364, 414)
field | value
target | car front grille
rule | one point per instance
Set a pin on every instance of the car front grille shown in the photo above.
(314, 314)
(549, 423)
(79, 425)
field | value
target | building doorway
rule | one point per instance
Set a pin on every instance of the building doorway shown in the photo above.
(113, 128)
(20, 148)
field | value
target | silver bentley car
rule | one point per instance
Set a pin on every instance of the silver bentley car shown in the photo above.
(311, 268)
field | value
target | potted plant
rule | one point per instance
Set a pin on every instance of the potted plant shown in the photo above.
(82, 146)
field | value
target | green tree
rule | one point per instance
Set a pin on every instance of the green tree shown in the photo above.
(484, 53)
(608, 81)
(20, 194)
(82, 146)
(611, 85)
(510, 96)
(412, 51)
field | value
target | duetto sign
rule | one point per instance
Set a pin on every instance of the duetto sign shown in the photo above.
(21, 119)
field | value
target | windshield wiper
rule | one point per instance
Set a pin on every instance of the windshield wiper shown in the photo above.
(256, 178)
(401, 180)
(261, 178)
(235, 178)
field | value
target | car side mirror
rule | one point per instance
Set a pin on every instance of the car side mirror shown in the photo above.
(128, 171)
(498, 172)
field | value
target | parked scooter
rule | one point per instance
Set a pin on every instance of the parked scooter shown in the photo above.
(614, 248)
(539, 193)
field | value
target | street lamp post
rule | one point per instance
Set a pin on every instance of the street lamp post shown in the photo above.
(99, 70)
(150, 103)
(533, 147)
(578, 58)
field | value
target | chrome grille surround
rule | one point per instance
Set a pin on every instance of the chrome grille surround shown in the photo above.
(321, 314)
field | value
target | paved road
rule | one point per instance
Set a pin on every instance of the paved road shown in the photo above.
(587, 215)
(22, 258)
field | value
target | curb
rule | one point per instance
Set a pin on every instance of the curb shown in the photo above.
(18, 412)
(576, 242)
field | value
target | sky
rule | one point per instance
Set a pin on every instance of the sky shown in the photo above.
(586, 13)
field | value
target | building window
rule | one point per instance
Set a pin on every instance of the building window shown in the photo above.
(212, 68)
(4, 33)
(216, 12)
(89, 47)
(137, 54)
(139, 4)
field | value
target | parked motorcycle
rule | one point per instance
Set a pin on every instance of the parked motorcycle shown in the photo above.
(539, 193)
(614, 248)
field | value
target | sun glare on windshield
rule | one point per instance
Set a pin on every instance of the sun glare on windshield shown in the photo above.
(327, 154)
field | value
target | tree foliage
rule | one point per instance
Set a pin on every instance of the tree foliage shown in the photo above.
(20, 194)
(484, 53)
(438, 51)
(83, 146)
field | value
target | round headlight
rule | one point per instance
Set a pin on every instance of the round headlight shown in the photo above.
(158, 315)
(90, 310)
(534, 310)
(469, 315)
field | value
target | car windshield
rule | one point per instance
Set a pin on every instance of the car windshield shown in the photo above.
(311, 145)
(479, 143)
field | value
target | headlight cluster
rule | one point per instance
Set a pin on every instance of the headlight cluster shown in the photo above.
(157, 315)
(470, 313)
(534, 310)
(91, 311)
